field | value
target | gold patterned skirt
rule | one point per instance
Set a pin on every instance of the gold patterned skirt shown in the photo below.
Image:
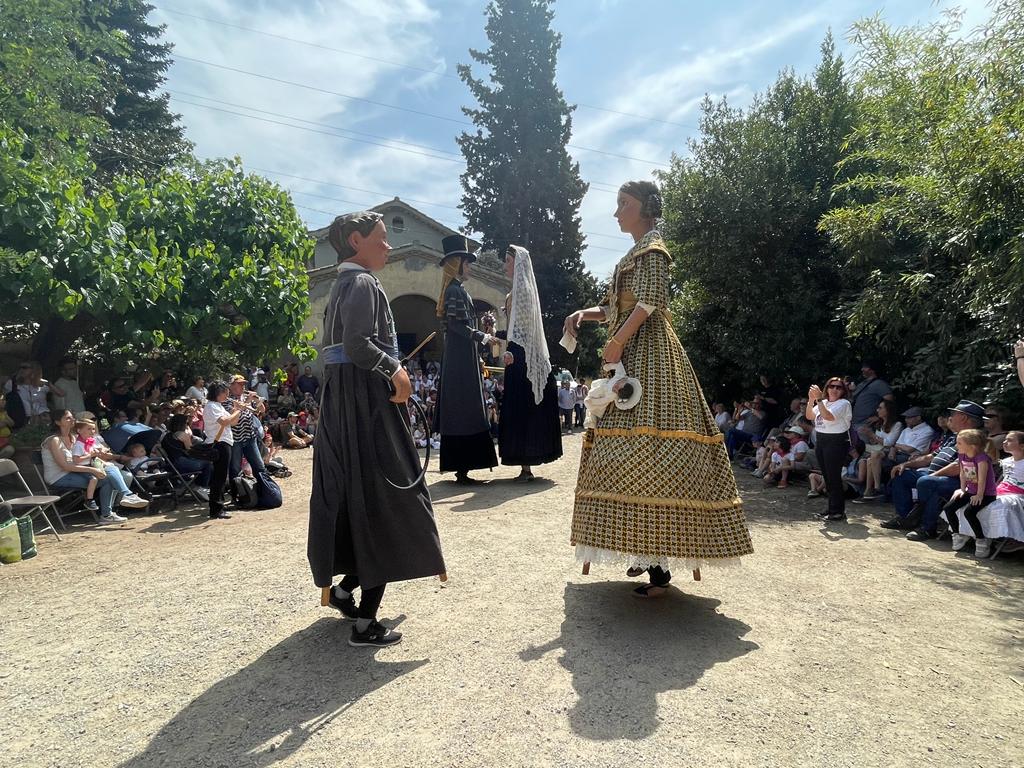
(655, 484)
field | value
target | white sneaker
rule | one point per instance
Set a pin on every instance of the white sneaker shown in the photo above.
(960, 541)
(134, 501)
(757, 473)
(202, 493)
(982, 548)
(111, 518)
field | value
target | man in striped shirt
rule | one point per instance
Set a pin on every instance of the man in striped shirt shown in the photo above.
(248, 431)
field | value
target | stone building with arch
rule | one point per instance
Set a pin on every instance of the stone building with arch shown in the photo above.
(412, 278)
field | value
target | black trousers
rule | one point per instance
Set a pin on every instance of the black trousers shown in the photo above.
(219, 477)
(567, 419)
(970, 513)
(832, 451)
(369, 600)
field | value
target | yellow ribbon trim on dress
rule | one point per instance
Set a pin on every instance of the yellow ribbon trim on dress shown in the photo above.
(661, 502)
(683, 434)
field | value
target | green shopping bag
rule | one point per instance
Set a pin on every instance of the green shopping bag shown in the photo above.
(10, 542)
(27, 536)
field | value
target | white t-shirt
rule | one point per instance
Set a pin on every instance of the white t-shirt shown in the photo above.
(841, 423)
(213, 411)
(889, 438)
(799, 447)
(919, 437)
(51, 470)
(74, 398)
(722, 420)
(263, 390)
(196, 393)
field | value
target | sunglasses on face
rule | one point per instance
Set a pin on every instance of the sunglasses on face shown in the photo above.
(836, 386)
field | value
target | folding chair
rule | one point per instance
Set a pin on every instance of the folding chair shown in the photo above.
(36, 505)
(69, 496)
(186, 479)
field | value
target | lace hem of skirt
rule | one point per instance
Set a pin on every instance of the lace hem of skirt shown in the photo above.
(598, 556)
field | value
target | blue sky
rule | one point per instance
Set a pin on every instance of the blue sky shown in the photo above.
(652, 59)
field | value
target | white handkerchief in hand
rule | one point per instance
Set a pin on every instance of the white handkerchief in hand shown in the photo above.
(568, 342)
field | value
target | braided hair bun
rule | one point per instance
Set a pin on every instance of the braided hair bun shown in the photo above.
(648, 194)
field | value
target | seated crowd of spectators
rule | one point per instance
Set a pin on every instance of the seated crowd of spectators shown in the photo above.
(960, 474)
(211, 432)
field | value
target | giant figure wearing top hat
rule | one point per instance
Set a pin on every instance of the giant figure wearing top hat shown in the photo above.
(466, 442)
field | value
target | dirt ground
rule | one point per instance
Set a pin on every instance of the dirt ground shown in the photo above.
(176, 641)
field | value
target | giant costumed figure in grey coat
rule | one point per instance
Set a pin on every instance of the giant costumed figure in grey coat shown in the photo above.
(362, 524)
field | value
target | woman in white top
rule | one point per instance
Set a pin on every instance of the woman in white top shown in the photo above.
(62, 469)
(831, 413)
(876, 442)
(198, 390)
(218, 432)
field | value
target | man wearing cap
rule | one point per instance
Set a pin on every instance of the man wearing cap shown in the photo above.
(915, 438)
(247, 430)
(462, 418)
(935, 476)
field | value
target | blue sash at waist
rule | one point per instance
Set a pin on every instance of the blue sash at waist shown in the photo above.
(335, 355)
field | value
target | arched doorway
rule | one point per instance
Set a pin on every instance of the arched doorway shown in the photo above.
(415, 319)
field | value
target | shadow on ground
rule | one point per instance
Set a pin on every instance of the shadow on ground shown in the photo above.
(266, 711)
(622, 652)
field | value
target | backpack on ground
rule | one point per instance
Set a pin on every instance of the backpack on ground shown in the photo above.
(268, 492)
(243, 491)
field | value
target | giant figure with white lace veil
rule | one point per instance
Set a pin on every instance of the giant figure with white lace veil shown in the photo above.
(655, 487)
(530, 433)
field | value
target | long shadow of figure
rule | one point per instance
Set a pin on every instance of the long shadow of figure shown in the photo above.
(622, 652)
(268, 710)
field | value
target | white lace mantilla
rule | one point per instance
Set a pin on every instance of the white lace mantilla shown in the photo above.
(598, 556)
(525, 325)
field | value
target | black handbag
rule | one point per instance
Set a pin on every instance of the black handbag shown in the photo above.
(203, 451)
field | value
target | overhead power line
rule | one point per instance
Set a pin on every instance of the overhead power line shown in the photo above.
(158, 166)
(322, 133)
(596, 185)
(293, 83)
(400, 65)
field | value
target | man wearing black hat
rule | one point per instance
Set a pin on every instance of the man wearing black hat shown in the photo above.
(935, 476)
(461, 419)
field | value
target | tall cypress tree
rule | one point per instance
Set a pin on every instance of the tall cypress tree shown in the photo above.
(144, 134)
(520, 185)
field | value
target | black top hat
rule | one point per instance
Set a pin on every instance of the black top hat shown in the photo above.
(457, 245)
(970, 408)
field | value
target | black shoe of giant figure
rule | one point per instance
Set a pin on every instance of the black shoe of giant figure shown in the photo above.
(895, 524)
(220, 515)
(375, 636)
(347, 606)
(463, 479)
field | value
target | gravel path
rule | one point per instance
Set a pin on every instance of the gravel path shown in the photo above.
(176, 641)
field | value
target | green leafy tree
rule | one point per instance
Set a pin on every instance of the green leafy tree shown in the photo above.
(87, 73)
(757, 283)
(52, 81)
(933, 224)
(520, 185)
(202, 258)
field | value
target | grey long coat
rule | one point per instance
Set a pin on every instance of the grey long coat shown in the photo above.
(358, 523)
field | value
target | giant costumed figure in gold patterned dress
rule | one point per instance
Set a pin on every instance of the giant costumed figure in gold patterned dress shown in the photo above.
(655, 487)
